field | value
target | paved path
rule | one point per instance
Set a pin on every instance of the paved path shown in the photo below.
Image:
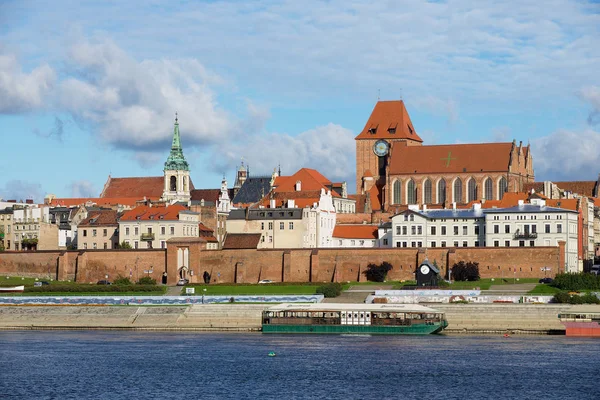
(518, 288)
(173, 291)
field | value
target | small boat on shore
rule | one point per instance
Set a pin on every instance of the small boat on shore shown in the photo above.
(581, 320)
(11, 289)
(382, 319)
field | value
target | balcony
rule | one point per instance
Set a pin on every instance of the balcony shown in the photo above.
(525, 235)
(147, 236)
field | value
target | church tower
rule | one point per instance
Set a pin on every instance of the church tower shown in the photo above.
(389, 123)
(176, 172)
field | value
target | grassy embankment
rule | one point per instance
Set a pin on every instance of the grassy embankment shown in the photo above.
(74, 288)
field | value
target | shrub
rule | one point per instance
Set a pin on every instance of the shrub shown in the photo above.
(465, 271)
(378, 273)
(121, 280)
(333, 289)
(87, 288)
(146, 280)
(566, 298)
(582, 281)
(124, 246)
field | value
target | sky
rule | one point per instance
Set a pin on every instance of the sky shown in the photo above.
(90, 89)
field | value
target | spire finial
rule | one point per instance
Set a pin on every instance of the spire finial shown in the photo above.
(176, 119)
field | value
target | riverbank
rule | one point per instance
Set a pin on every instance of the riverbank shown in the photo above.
(537, 319)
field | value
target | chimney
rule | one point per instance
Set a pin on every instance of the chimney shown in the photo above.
(476, 206)
(521, 202)
(272, 203)
(424, 207)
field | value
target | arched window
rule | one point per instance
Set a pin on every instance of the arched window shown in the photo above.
(411, 192)
(173, 184)
(488, 189)
(472, 190)
(397, 193)
(427, 192)
(458, 191)
(441, 191)
(502, 186)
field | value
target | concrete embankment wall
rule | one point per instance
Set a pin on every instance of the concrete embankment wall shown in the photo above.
(462, 318)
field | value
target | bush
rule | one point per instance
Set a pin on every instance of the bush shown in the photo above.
(378, 273)
(572, 282)
(469, 271)
(121, 280)
(146, 280)
(333, 289)
(87, 288)
(124, 246)
(566, 298)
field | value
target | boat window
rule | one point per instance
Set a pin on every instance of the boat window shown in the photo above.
(355, 315)
(362, 315)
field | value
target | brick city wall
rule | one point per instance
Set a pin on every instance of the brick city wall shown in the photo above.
(292, 265)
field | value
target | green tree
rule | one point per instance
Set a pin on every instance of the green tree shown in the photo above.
(1, 238)
(124, 246)
(378, 273)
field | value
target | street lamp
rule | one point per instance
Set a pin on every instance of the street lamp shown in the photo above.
(203, 292)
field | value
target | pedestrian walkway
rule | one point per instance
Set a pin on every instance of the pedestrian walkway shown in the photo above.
(173, 291)
(517, 288)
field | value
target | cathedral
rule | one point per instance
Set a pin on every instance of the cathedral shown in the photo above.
(394, 169)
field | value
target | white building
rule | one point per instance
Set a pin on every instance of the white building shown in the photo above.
(525, 225)
(355, 236)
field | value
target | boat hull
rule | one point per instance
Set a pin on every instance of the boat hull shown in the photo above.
(418, 329)
(13, 289)
(583, 329)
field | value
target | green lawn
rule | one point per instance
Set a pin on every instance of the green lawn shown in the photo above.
(265, 289)
(542, 289)
(103, 294)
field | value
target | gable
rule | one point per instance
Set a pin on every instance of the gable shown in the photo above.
(389, 120)
(150, 187)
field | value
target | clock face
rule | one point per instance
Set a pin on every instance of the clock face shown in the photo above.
(381, 148)
(424, 269)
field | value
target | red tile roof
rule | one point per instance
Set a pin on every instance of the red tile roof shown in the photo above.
(537, 186)
(568, 204)
(99, 201)
(375, 196)
(388, 117)
(101, 218)
(450, 158)
(583, 188)
(241, 241)
(206, 233)
(146, 213)
(355, 232)
(140, 187)
(206, 194)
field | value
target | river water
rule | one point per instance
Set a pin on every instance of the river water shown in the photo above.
(150, 365)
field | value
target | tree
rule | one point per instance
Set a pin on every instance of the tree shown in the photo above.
(124, 246)
(378, 273)
(465, 271)
(1, 238)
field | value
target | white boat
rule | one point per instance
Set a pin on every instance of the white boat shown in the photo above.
(11, 289)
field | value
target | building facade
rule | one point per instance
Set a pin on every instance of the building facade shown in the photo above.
(32, 229)
(355, 236)
(99, 231)
(177, 185)
(6, 228)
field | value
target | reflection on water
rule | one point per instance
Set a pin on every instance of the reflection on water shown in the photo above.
(136, 365)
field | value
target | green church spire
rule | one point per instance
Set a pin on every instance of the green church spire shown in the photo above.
(176, 161)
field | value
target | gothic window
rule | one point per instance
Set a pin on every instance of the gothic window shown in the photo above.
(441, 191)
(488, 189)
(502, 186)
(458, 191)
(427, 192)
(173, 184)
(397, 192)
(472, 190)
(411, 192)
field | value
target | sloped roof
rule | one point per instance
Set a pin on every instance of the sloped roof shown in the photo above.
(568, 204)
(100, 201)
(357, 231)
(146, 213)
(101, 218)
(241, 241)
(206, 194)
(583, 188)
(301, 199)
(450, 158)
(375, 196)
(206, 233)
(253, 190)
(388, 117)
(139, 187)
(310, 179)
(537, 186)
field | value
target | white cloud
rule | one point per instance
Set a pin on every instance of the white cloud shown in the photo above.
(20, 91)
(329, 149)
(438, 106)
(82, 188)
(22, 190)
(592, 95)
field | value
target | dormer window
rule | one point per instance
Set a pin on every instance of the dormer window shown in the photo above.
(392, 131)
(298, 186)
(373, 131)
(410, 129)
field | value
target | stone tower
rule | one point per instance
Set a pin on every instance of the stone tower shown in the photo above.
(176, 172)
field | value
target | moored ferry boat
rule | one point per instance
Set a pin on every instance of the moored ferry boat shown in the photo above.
(383, 319)
(581, 320)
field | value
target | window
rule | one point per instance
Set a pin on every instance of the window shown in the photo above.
(413, 244)
(105, 245)
(282, 225)
(456, 230)
(477, 229)
(413, 230)
(496, 243)
(84, 246)
(465, 243)
(406, 217)
(419, 244)
(270, 226)
(136, 231)
(547, 228)
(521, 243)
(427, 192)
(488, 189)
(433, 230)
(465, 230)
(262, 226)
(432, 244)
(398, 244)
(507, 243)
(506, 228)
(94, 245)
(472, 190)
(398, 230)
(531, 243)
(559, 228)
(172, 230)
(496, 228)
(163, 230)
(104, 232)
(291, 225)
(397, 192)
(502, 186)
(443, 232)
(163, 244)
(352, 242)
(126, 231)
(84, 232)
(533, 228)
(441, 191)
(361, 242)
(404, 230)
(412, 217)
(455, 244)
(411, 192)
(476, 243)
(385, 242)
(136, 244)
(443, 244)
(457, 191)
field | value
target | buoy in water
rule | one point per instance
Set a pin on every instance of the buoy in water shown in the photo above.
(272, 354)
(506, 335)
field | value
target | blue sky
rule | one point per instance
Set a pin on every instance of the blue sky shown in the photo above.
(89, 89)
